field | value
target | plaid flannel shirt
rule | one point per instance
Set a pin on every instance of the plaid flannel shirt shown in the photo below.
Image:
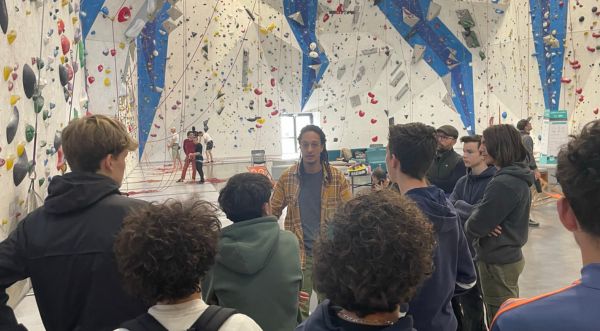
(334, 192)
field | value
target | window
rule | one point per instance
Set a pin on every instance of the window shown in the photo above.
(291, 124)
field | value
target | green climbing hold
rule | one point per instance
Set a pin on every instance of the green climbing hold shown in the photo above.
(29, 132)
(38, 103)
(482, 55)
(41, 181)
(43, 144)
(45, 115)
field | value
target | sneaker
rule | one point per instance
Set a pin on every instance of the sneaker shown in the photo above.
(533, 223)
(180, 180)
(201, 182)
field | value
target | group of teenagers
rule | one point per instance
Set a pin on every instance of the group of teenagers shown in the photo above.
(401, 257)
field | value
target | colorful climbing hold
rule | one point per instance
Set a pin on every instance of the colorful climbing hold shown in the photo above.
(65, 44)
(6, 72)
(20, 148)
(29, 133)
(10, 161)
(11, 36)
(14, 99)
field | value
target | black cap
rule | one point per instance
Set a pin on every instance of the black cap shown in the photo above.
(448, 130)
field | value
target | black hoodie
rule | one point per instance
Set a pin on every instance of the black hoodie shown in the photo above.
(66, 247)
(506, 202)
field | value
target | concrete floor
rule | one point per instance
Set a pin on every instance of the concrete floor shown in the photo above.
(552, 257)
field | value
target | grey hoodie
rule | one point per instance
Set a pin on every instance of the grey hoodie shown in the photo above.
(506, 202)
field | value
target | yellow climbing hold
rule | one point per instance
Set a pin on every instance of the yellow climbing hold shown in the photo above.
(64, 2)
(74, 19)
(10, 161)
(6, 72)
(11, 36)
(27, 12)
(107, 71)
(62, 59)
(20, 149)
(122, 45)
(107, 81)
(261, 121)
(14, 99)
(268, 29)
(4, 221)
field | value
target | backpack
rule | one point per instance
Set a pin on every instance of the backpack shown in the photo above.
(211, 320)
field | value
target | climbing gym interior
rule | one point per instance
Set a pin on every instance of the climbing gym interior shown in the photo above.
(252, 73)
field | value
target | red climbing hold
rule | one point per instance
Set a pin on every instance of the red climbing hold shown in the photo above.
(100, 68)
(275, 112)
(373, 121)
(374, 139)
(269, 103)
(591, 49)
(91, 79)
(579, 90)
(339, 9)
(325, 17)
(596, 111)
(565, 80)
(257, 91)
(373, 101)
(124, 14)
(273, 82)
(371, 95)
(581, 98)
(361, 113)
(113, 52)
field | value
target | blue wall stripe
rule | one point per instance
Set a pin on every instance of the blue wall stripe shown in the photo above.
(151, 72)
(305, 35)
(438, 40)
(550, 60)
(91, 8)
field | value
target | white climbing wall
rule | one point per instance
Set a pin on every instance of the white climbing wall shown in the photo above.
(38, 27)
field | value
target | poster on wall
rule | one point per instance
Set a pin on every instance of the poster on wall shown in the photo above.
(555, 133)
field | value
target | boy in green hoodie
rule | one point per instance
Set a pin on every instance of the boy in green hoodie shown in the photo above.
(257, 270)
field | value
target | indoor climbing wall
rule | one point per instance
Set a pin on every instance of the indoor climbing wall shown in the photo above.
(41, 56)
(233, 67)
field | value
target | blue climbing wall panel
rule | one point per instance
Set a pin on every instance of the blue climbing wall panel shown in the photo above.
(444, 52)
(550, 59)
(151, 72)
(305, 34)
(88, 14)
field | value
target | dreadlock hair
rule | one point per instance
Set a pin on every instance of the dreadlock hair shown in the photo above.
(324, 157)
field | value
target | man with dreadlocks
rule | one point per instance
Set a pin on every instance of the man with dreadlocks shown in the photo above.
(312, 190)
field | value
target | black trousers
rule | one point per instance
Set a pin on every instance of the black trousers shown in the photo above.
(199, 169)
(468, 309)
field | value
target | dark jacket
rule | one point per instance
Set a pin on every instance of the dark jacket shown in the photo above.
(258, 273)
(454, 272)
(324, 318)
(66, 247)
(506, 202)
(447, 168)
(528, 142)
(468, 192)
